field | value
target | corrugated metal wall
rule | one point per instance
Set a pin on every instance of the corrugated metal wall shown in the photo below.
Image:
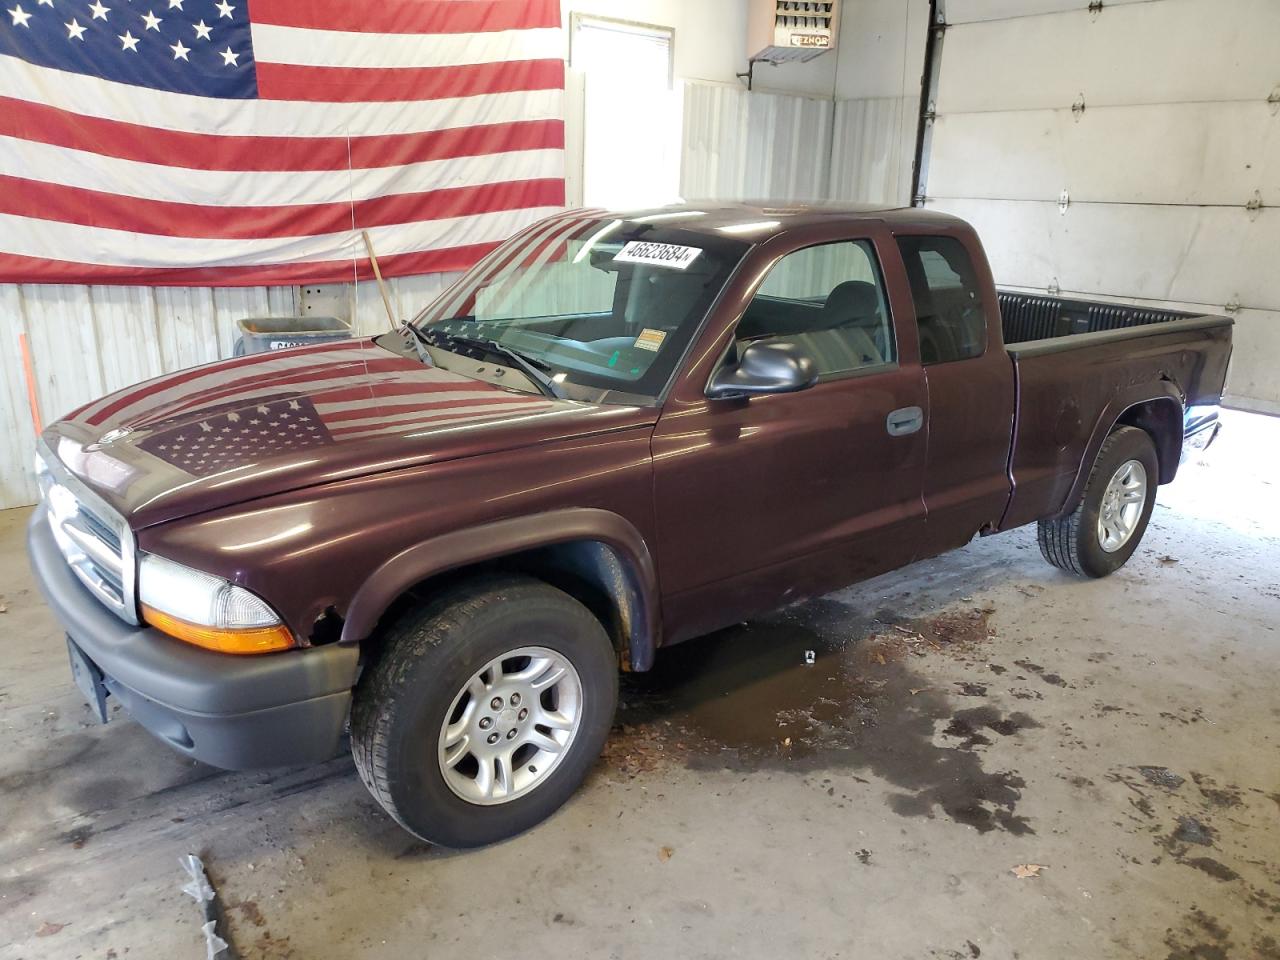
(759, 145)
(782, 146)
(875, 144)
(86, 341)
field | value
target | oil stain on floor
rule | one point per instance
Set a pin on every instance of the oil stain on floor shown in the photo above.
(748, 698)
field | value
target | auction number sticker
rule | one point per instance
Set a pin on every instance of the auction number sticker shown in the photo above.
(658, 254)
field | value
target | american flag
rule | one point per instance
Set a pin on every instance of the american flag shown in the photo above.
(238, 142)
(224, 440)
(223, 415)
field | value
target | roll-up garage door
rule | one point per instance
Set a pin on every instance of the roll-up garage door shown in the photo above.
(1128, 149)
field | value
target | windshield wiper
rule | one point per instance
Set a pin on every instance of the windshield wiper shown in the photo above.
(535, 370)
(419, 341)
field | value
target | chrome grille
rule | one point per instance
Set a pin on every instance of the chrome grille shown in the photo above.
(94, 539)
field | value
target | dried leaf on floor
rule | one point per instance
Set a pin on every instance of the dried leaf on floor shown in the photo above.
(664, 853)
(48, 929)
(879, 658)
(1167, 560)
(1024, 871)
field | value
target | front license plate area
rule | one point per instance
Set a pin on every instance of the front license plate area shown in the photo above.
(89, 679)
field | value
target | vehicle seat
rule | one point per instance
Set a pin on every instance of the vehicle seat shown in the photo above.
(856, 303)
(847, 331)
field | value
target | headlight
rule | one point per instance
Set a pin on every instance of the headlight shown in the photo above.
(206, 610)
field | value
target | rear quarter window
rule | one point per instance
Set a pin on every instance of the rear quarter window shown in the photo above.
(948, 299)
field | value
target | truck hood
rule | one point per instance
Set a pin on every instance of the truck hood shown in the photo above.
(232, 431)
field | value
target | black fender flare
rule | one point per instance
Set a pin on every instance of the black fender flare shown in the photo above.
(1112, 415)
(638, 584)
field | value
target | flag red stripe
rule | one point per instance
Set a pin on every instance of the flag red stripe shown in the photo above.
(337, 396)
(200, 151)
(563, 230)
(304, 376)
(95, 208)
(334, 422)
(195, 373)
(15, 268)
(529, 405)
(408, 16)
(287, 81)
(291, 376)
(447, 306)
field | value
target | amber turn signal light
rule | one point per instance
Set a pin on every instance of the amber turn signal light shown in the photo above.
(221, 639)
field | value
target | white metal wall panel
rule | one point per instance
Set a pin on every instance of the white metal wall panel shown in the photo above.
(1212, 256)
(776, 146)
(715, 141)
(1175, 140)
(1254, 358)
(408, 296)
(874, 149)
(1188, 153)
(757, 145)
(17, 434)
(971, 11)
(1163, 52)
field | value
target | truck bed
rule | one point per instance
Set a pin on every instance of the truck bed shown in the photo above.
(1028, 317)
(1082, 365)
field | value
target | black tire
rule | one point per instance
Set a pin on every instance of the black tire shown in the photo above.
(1071, 542)
(428, 655)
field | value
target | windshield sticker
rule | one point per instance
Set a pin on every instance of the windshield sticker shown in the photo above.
(650, 339)
(658, 254)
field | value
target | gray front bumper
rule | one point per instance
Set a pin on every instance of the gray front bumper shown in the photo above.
(235, 712)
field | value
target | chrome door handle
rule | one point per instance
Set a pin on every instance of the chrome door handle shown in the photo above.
(903, 421)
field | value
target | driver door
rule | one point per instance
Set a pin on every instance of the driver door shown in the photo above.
(779, 497)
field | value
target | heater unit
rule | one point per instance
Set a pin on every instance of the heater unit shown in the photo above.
(790, 31)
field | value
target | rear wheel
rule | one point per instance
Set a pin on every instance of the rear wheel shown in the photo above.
(484, 710)
(1107, 524)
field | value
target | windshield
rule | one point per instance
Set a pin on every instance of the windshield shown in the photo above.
(600, 302)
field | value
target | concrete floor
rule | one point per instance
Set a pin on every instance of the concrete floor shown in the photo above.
(970, 715)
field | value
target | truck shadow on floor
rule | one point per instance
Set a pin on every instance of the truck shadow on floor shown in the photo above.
(747, 698)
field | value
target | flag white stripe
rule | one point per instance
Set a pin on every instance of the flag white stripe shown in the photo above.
(53, 240)
(149, 181)
(402, 420)
(403, 400)
(310, 388)
(337, 48)
(108, 100)
(551, 233)
(189, 384)
(447, 417)
(448, 307)
(191, 390)
(270, 391)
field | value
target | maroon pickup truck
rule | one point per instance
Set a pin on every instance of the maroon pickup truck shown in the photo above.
(618, 431)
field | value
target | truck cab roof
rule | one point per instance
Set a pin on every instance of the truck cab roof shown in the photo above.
(756, 221)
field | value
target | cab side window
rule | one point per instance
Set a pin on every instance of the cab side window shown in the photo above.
(829, 301)
(947, 297)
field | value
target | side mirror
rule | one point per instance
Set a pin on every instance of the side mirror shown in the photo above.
(764, 368)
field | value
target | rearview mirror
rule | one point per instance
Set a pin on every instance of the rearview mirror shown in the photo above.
(764, 368)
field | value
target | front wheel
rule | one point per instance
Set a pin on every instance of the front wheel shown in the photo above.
(484, 710)
(1107, 525)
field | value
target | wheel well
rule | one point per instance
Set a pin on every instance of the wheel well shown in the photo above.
(591, 572)
(1162, 420)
